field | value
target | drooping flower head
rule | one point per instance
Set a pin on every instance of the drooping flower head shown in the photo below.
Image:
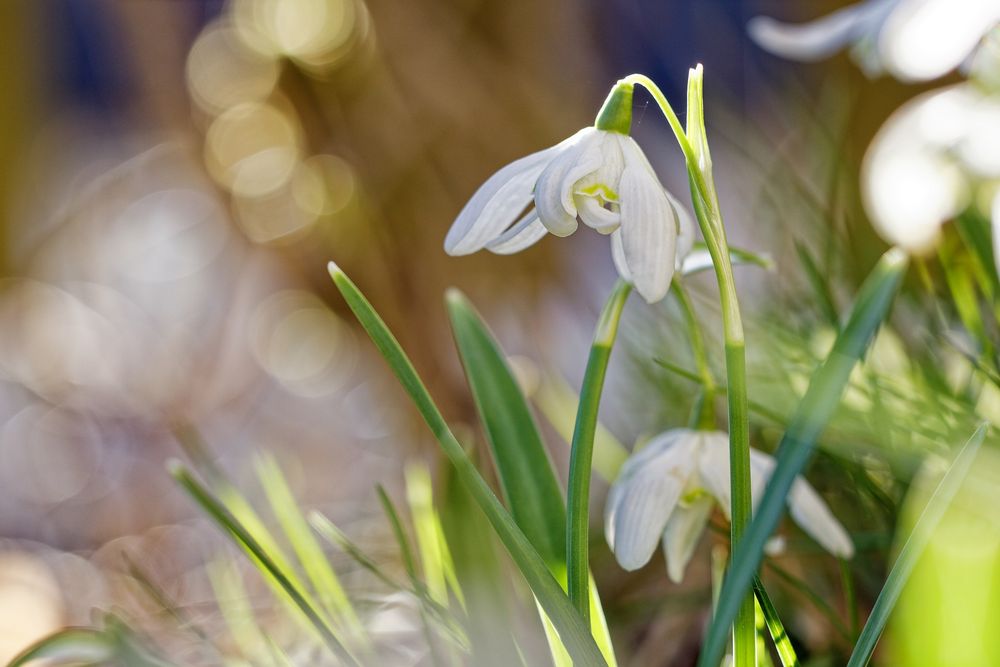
(935, 157)
(666, 491)
(600, 176)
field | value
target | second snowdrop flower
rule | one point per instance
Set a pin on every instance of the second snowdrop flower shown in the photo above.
(600, 176)
(666, 493)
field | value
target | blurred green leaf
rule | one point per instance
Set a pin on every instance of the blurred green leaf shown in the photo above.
(817, 406)
(479, 573)
(74, 645)
(915, 543)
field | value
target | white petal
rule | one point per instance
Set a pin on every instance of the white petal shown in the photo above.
(604, 180)
(805, 507)
(820, 38)
(685, 228)
(524, 233)
(924, 39)
(698, 260)
(713, 468)
(680, 538)
(761, 467)
(555, 186)
(618, 255)
(811, 513)
(643, 497)
(497, 203)
(648, 226)
(596, 216)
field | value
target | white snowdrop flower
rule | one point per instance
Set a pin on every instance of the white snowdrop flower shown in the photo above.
(600, 176)
(927, 159)
(913, 40)
(666, 491)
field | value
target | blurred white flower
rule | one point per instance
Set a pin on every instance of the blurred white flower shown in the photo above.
(666, 491)
(913, 40)
(601, 177)
(925, 163)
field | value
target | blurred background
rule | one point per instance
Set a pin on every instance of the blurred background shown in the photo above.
(175, 175)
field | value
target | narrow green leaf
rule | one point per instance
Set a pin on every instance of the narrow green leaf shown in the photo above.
(825, 389)
(782, 643)
(914, 546)
(527, 476)
(572, 630)
(224, 518)
(72, 645)
(527, 479)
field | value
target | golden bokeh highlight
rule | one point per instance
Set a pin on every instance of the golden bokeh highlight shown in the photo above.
(223, 72)
(253, 149)
(316, 33)
(301, 343)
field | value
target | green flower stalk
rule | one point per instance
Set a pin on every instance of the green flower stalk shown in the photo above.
(694, 144)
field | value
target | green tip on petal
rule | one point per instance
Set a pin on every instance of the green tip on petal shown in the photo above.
(616, 113)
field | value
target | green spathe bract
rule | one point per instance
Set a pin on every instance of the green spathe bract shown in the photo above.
(616, 112)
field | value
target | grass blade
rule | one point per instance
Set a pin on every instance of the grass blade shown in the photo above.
(782, 643)
(913, 547)
(572, 630)
(222, 516)
(825, 389)
(314, 562)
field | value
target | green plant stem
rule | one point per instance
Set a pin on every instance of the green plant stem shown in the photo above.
(704, 416)
(582, 451)
(707, 211)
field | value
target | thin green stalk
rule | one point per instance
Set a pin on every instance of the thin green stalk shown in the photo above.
(582, 451)
(704, 417)
(694, 145)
